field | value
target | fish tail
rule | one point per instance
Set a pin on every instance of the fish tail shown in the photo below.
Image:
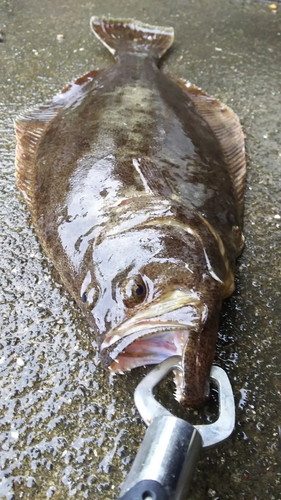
(125, 35)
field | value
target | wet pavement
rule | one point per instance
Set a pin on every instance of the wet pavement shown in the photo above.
(67, 429)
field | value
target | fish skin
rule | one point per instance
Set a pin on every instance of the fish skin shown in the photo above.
(135, 183)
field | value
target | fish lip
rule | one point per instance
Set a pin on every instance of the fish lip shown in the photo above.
(150, 316)
(154, 325)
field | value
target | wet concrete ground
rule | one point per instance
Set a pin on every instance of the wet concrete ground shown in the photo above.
(67, 431)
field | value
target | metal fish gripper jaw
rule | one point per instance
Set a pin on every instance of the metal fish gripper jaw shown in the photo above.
(166, 461)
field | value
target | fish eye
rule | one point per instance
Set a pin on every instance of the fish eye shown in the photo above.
(140, 290)
(89, 296)
(133, 291)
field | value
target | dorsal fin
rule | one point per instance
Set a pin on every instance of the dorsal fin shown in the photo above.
(227, 129)
(128, 35)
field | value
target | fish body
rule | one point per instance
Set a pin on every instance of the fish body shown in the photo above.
(135, 182)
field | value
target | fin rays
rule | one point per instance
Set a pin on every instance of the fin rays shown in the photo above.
(132, 36)
(226, 127)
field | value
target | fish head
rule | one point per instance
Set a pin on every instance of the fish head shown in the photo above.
(154, 298)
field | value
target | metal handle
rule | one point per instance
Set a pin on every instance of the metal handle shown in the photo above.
(164, 466)
(146, 490)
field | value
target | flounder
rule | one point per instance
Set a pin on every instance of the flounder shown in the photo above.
(135, 182)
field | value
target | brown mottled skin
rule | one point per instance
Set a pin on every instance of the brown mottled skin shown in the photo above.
(124, 163)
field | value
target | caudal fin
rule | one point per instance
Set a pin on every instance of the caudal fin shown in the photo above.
(125, 35)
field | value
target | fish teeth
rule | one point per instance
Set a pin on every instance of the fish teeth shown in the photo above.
(178, 380)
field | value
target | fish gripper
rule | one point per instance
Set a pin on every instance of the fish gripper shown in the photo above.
(166, 461)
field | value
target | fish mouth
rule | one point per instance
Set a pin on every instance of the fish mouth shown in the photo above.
(153, 334)
(148, 346)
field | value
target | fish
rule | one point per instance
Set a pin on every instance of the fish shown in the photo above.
(135, 182)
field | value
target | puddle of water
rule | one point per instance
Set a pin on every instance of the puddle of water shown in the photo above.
(66, 432)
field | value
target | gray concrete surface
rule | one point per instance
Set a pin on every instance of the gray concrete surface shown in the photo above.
(67, 430)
